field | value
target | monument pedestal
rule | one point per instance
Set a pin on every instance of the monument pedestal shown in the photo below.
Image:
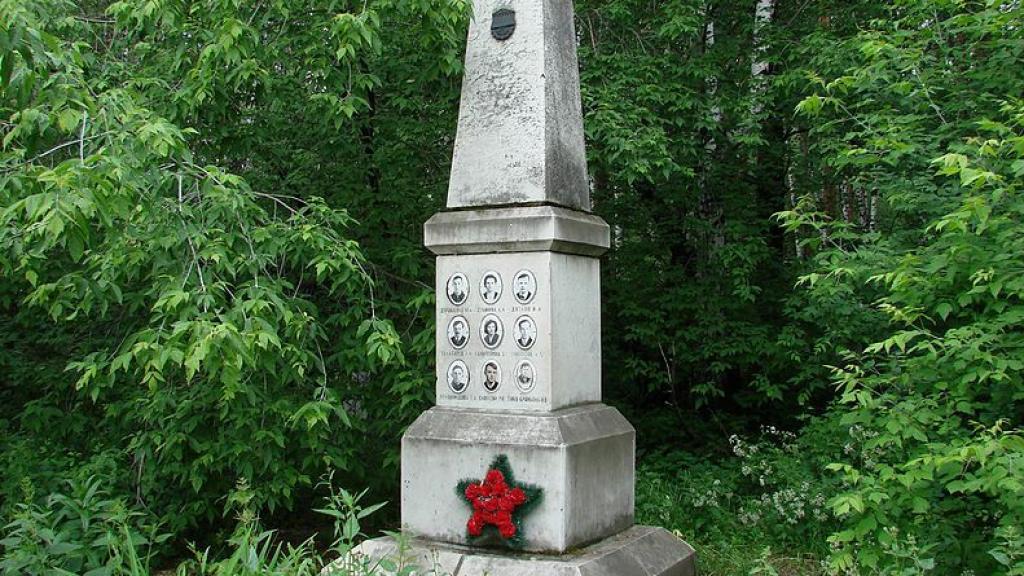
(581, 456)
(518, 450)
(638, 551)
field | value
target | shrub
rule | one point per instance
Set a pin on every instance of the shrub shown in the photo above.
(771, 491)
(924, 118)
(81, 532)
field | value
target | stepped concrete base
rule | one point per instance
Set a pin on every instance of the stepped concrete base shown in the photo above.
(582, 457)
(638, 551)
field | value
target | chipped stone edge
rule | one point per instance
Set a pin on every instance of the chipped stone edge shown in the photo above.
(557, 429)
(637, 551)
(516, 229)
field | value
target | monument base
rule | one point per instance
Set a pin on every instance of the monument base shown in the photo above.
(638, 551)
(582, 457)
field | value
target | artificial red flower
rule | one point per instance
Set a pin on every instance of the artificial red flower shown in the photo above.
(474, 526)
(493, 504)
(517, 496)
(507, 529)
(495, 479)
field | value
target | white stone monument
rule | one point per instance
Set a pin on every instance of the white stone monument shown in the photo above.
(519, 329)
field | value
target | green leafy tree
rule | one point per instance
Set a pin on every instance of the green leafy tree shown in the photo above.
(683, 171)
(223, 325)
(919, 133)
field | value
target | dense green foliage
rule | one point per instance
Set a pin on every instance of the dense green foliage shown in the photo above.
(84, 532)
(211, 269)
(213, 326)
(934, 405)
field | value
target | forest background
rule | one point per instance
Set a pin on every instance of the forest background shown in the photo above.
(214, 291)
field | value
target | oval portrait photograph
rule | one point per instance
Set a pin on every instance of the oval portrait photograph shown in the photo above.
(458, 377)
(458, 332)
(491, 331)
(525, 332)
(490, 287)
(492, 376)
(524, 286)
(457, 289)
(525, 376)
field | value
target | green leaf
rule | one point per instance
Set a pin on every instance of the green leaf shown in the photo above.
(810, 106)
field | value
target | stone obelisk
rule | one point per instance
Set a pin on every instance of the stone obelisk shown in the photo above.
(519, 324)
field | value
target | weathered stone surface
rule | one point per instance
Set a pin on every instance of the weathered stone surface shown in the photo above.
(582, 457)
(562, 317)
(638, 551)
(518, 326)
(520, 134)
(516, 229)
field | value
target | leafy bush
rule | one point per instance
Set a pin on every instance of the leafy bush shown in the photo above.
(924, 118)
(212, 329)
(82, 532)
(676, 130)
(771, 492)
(254, 552)
(88, 534)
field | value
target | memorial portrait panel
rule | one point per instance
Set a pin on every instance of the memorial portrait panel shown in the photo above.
(490, 287)
(525, 332)
(525, 376)
(457, 288)
(524, 286)
(492, 376)
(458, 377)
(458, 332)
(491, 331)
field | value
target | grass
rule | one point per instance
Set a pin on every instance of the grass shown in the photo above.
(749, 509)
(752, 508)
(745, 559)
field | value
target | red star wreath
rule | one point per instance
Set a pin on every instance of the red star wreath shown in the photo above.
(499, 504)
